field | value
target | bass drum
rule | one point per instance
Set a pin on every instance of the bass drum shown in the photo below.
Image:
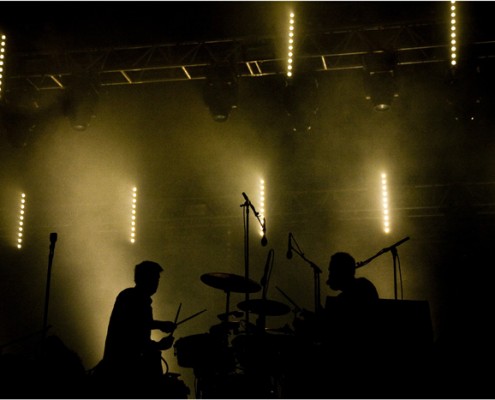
(266, 352)
(204, 351)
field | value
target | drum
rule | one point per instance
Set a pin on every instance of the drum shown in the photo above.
(267, 351)
(203, 350)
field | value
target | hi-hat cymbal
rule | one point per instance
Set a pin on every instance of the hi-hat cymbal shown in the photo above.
(230, 282)
(264, 307)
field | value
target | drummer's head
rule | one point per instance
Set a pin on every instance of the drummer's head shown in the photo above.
(341, 270)
(147, 276)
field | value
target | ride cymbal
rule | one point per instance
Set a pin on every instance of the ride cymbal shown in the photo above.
(230, 282)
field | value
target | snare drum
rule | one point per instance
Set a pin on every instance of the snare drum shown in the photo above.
(203, 350)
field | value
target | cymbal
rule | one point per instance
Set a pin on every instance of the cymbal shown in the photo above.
(264, 307)
(230, 282)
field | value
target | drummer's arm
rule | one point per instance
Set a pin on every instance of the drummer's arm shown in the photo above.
(164, 326)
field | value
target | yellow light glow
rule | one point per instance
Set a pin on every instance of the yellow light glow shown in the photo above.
(132, 237)
(2, 51)
(20, 223)
(261, 191)
(385, 204)
(453, 29)
(290, 45)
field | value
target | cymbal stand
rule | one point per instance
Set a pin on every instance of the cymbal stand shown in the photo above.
(246, 206)
(316, 274)
(395, 256)
(53, 240)
(227, 306)
(265, 279)
(296, 309)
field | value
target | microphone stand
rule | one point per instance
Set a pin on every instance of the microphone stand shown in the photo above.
(247, 205)
(395, 256)
(53, 239)
(265, 279)
(316, 275)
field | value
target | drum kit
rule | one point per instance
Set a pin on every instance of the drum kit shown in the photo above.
(216, 356)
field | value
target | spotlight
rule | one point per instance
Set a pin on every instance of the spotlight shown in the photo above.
(301, 101)
(80, 102)
(221, 91)
(379, 79)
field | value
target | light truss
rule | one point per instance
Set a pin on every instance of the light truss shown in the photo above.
(418, 43)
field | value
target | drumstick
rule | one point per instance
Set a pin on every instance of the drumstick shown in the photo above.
(177, 315)
(192, 316)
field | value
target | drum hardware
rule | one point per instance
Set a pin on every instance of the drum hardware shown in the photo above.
(264, 307)
(395, 257)
(284, 330)
(204, 352)
(296, 309)
(316, 270)
(224, 328)
(230, 283)
(225, 317)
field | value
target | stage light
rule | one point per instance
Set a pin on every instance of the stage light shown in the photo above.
(133, 215)
(385, 204)
(379, 79)
(81, 101)
(301, 101)
(220, 92)
(290, 46)
(3, 45)
(453, 34)
(262, 202)
(20, 222)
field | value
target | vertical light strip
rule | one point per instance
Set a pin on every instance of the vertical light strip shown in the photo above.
(20, 222)
(290, 47)
(133, 215)
(453, 34)
(385, 205)
(262, 201)
(3, 40)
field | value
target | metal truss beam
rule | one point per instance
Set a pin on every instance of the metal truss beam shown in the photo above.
(420, 43)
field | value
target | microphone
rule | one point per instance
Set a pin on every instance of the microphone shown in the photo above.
(289, 247)
(264, 240)
(53, 237)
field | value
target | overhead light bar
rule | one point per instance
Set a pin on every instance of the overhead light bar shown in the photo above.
(20, 222)
(453, 34)
(290, 47)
